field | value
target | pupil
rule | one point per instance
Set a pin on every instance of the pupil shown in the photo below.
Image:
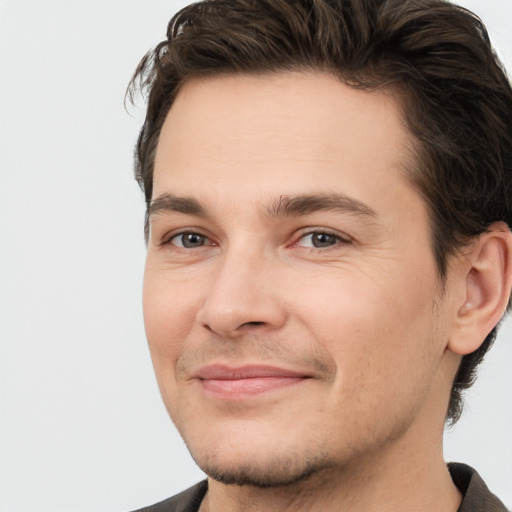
(192, 240)
(323, 239)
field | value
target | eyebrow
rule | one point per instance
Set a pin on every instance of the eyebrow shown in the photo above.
(172, 203)
(285, 205)
(306, 204)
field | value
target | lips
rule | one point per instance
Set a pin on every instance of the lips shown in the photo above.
(228, 382)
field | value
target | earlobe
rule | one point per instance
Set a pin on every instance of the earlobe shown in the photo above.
(487, 284)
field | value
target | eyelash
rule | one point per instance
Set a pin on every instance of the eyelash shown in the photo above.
(336, 238)
(167, 240)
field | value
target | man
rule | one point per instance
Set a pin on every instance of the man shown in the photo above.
(327, 187)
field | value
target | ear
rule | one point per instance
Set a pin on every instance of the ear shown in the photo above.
(486, 282)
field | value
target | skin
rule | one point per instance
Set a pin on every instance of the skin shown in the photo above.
(362, 323)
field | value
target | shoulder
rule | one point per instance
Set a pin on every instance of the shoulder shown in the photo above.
(186, 501)
(476, 495)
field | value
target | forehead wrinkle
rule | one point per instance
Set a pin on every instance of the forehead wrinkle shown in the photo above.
(286, 205)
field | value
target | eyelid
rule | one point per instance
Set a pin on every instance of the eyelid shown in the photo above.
(342, 237)
(169, 236)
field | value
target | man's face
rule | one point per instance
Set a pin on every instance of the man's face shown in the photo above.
(291, 299)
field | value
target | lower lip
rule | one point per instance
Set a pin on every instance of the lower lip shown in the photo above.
(245, 388)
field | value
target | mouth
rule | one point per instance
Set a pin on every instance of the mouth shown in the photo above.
(235, 383)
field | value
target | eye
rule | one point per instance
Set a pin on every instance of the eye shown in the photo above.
(319, 240)
(189, 240)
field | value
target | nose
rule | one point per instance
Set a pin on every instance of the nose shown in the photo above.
(244, 297)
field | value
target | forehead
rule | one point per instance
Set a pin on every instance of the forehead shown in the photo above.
(296, 131)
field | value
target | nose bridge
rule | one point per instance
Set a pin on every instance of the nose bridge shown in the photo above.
(242, 294)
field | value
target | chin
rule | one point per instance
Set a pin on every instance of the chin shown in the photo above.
(263, 469)
(262, 478)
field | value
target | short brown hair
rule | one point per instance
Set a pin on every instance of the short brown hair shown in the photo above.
(455, 96)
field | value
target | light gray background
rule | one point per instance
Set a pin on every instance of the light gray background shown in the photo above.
(82, 427)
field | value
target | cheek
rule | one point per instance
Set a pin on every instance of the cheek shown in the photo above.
(379, 334)
(169, 313)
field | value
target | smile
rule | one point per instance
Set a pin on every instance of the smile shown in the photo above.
(236, 383)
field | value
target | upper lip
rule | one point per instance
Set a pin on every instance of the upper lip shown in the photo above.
(226, 372)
